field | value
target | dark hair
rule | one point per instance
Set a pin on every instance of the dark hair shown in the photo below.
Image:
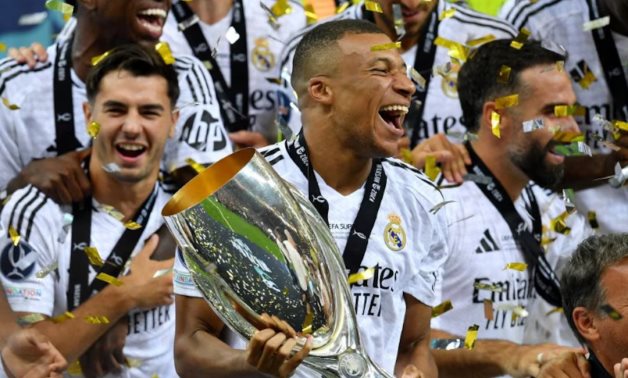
(477, 79)
(139, 61)
(311, 49)
(580, 278)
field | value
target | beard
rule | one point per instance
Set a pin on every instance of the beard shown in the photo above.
(532, 163)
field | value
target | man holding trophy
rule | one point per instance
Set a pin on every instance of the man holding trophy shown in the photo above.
(354, 93)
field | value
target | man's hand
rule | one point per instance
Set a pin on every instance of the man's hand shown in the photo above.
(452, 157)
(412, 371)
(246, 138)
(269, 351)
(30, 354)
(61, 178)
(620, 369)
(529, 359)
(105, 355)
(566, 365)
(29, 55)
(146, 290)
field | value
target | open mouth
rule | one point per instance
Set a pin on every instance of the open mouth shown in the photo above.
(152, 21)
(130, 150)
(394, 115)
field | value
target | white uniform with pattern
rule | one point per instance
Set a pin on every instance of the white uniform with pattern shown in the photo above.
(442, 113)
(413, 270)
(263, 41)
(45, 241)
(481, 244)
(29, 133)
(562, 22)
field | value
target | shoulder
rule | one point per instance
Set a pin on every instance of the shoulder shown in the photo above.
(275, 154)
(412, 181)
(17, 76)
(528, 12)
(476, 24)
(28, 207)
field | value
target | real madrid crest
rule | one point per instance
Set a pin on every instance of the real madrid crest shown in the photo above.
(394, 234)
(263, 59)
(450, 81)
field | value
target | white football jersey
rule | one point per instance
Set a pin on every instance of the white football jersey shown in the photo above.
(562, 22)
(413, 269)
(29, 132)
(46, 241)
(442, 113)
(481, 244)
(264, 44)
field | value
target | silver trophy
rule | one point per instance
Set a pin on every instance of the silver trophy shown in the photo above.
(255, 245)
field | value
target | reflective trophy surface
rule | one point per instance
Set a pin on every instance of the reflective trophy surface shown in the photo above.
(255, 245)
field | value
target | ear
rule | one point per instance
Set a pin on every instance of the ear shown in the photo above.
(487, 116)
(174, 119)
(87, 111)
(585, 323)
(319, 90)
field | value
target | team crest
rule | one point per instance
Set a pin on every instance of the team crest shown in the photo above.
(449, 81)
(394, 234)
(263, 59)
(17, 262)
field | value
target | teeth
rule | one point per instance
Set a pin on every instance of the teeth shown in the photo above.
(130, 147)
(395, 108)
(154, 12)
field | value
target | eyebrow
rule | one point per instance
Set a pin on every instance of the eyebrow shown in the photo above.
(386, 60)
(118, 104)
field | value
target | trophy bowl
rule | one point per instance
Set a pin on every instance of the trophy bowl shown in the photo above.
(254, 245)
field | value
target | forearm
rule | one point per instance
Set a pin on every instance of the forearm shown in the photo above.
(419, 356)
(72, 337)
(488, 358)
(8, 320)
(582, 172)
(201, 354)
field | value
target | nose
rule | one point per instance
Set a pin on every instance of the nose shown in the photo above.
(403, 85)
(569, 124)
(132, 125)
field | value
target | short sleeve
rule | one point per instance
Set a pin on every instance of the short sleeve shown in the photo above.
(183, 282)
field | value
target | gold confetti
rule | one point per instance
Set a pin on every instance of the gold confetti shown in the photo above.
(63, 317)
(519, 312)
(9, 105)
(60, 6)
(431, 169)
(131, 225)
(504, 75)
(386, 46)
(15, 237)
(521, 38)
(596, 24)
(75, 368)
(568, 136)
(559, 224)
(342, 7)
(456, 50)
(196, 166)
(310, 14)
(163, 48)
(518, 266)
(488, 287)
(108, 279)
(373, 6)
(471, 336)
(441, 308)
(133, 362)
(480, 41)
(623, 126)
(93, 129)
(446, 14)
(93, 256)
(507, 101)
(417, 77)
(588, 77)
(560, 66)
(30, 319)
(361, 276)
(307, 323)
(569, 110)
(406, 155)
(3, 47)
(46, 271)
(112, 212)
(96, 319)
(611, 312)
(99, 58)
(281, 8)
(488, 309)
(495, 122)
(547, 241)
(555, 310)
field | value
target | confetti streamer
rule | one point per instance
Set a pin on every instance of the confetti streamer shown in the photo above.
(3, 47)
(471, 336)
(93, 256)
(93, 129)
(386, 46)
(560, 66)
(556, 310)
(620, 125)
(75, 368)
(507, 101)
(431, 169)
(9, 105)
(306, 328)
(417, 78)
(456, 50)
(495, 122)
(196, 166)
(15, 237)
(504, 74)
(96, 319)
(373, 6)
(63, 317)
(46, 271)
(406, 155)
(592, 218)
(281, 8)
(400, 28)
(518, 266)
(163, 48)
(446, 14)
(567, 136)
(559, 224)
(480, 41)
(488, 287)
(441, 308)
(521, 38)
(596, 24)
(131, 225)
(569, 110)
(310, 13)
(108, 279)
(99, 58)
(361, 276)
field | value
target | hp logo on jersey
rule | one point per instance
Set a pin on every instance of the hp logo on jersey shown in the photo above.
(17, 262)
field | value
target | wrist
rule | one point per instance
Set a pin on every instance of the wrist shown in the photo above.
(5, 368)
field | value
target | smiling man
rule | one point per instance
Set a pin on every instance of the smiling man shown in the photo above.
(497, 266)
(43, 140)
(354, 94)
(52, 268)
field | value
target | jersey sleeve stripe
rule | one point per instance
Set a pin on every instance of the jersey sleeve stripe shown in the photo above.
(33, 203)
(197, 84)
(491, 22)
(31, 218)
(192, 91)
(508, 30)
(276, 160)
(203, 79)
(270, 151)
(18, 203)
(524, 21)
(22, 70)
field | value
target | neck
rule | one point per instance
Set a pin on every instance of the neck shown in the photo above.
(211, 11)
(346, 172)
(87, 44)
(498, 162)
(603, 361)
(126, 197)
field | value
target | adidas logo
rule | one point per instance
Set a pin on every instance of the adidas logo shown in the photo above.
(487, 243)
